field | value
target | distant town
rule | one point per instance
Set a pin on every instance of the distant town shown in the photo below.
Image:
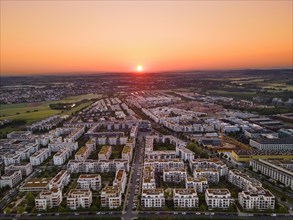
(197, 144)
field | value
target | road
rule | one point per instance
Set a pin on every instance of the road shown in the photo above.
(133, 186)
(146, 214)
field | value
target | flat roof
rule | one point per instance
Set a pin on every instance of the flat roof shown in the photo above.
(37, 183)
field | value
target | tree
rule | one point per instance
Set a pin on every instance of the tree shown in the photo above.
(202, 208)
(7, 210)
(282, 209)
(61, 209)
(20, 209)
(30, 198)
(94, 208)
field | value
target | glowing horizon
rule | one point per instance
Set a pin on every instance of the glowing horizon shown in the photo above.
(93, 36)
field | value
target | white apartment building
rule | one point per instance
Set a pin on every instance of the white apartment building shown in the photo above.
(257, 199)
(242, 181)
(91, 144)
(11, 158)
(160, 165)
(97, 166)
(105, 153)
(120, 180)
(82, 154)
(218, 198)
(148, 180)
(10, 178)
(48, 199)
(79, 198)
(160, 155)
(174, 175)
(61, 179)
(277, 144)
(74, 134)
(185, 198)
(211, 174)
(89, 181)
(57, 144)
(184, 153)
(40, 156)
(152, 198)
(25, 168)
(111, 197)
(199, 184)
(61, 156)
(277, 170)
(127, 153)
(210, 163)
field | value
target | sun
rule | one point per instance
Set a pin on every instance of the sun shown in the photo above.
(139, 68)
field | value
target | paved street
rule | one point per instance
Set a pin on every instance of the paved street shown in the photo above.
(134, 179)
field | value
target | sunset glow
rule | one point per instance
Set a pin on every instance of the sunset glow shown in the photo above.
(82, 36)
(139, 68)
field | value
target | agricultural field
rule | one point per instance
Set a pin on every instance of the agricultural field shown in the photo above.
(33, 112)
(28, 111)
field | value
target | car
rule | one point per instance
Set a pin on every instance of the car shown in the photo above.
(76, 213)
(98, 213)
(39, 215)
(197, 213)
(183, 213)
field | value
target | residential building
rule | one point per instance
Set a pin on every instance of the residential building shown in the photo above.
(199, 184)
(218, 198)
(174, 175)
(277, 144)
(48, 199)
(79, 198)
(10, 178)
(127, 153)
(61, 179)
(105, 153)
(211, 174)
(82, 154)
(89, 181)
(185, 198)
(260, 199)
(61, 156)
(152, 198)
(111, 197)
(279, 170)
(25, 168)
(120, 180)
(40, 156)
(148, 180)
(209, 163)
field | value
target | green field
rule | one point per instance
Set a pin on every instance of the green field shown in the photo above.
(33, 112)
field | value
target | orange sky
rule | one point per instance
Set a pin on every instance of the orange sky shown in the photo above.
(73, 36)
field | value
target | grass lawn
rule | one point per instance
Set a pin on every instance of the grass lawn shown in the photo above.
(33, 112)
(117, 152)
(164, 146)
